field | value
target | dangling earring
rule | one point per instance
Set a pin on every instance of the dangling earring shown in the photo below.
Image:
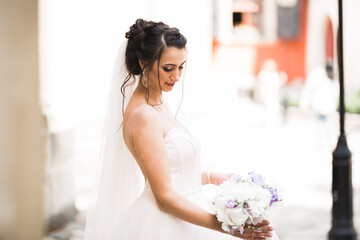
(144, 78)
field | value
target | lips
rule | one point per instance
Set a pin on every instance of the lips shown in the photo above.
(169, 84)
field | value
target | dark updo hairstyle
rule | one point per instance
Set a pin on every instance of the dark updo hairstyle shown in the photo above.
(146, 42)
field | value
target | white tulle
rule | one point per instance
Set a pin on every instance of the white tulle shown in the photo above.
(118, 180)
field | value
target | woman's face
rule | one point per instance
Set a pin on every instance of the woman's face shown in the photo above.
(170, 69)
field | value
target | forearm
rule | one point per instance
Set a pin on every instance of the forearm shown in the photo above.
(178, 206)
(205, 177)
(215, 178)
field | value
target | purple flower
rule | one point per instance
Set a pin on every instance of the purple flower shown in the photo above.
(274, 194)
(257, 220)
(247, 208)
(233, 229)
(231, 204)
(236, 178)
(256, 178)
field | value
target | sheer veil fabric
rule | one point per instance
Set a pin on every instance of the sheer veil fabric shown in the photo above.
(118, 180)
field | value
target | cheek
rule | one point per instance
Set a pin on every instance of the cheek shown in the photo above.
(154, 76)
(164, 76)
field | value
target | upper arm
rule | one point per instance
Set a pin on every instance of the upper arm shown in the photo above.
(149, 145)
(148, 141)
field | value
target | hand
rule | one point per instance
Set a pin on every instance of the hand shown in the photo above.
(260, 231)
(218, 178)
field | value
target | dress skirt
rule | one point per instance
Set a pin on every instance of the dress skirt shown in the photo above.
(143, 220)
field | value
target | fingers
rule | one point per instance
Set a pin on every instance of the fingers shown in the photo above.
(261, 234)
(259, 231)
(266, 228)
(254, 234)
(262, 227)
(263, 223)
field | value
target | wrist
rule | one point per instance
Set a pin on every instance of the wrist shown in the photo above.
(209, 177)
(217, 225)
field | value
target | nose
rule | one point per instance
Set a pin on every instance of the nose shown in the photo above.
(176, 76)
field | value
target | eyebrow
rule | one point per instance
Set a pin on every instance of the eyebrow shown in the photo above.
(174, 65)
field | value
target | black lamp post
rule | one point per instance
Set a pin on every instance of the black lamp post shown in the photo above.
(342, 211)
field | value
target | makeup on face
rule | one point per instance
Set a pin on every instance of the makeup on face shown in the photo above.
(169, 70)
(170, 67)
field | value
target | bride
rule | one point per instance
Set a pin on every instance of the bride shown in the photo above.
(143, 136)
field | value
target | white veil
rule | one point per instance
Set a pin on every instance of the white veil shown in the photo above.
(118, 180)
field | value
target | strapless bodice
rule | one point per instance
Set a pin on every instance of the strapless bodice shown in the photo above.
(184, 161)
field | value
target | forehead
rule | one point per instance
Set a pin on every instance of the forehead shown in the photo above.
(173, 55)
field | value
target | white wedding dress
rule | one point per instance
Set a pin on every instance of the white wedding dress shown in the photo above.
(143, 220)
(118, 181)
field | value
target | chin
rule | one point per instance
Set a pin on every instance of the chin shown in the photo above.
(167, 90)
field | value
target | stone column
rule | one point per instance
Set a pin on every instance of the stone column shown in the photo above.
(22, 138)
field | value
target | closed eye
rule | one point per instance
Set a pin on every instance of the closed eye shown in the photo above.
(167, 69)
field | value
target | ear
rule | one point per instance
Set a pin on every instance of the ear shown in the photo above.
(142, 64)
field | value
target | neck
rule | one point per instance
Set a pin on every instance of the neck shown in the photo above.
(152, 96)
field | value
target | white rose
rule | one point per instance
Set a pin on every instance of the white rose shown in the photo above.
(241, 192)
(221, 217)
(264, 197)
(236, 216)
(225, 227)
(256, 211)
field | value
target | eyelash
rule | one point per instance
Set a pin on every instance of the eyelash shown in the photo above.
(170, 69)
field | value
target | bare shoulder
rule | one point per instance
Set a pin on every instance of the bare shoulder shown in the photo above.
(143, 118)
(143, 113)
(167, 106)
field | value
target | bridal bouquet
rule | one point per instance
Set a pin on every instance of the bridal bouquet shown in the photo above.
(244, 200)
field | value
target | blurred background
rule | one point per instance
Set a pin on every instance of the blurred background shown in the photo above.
(260, 93)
